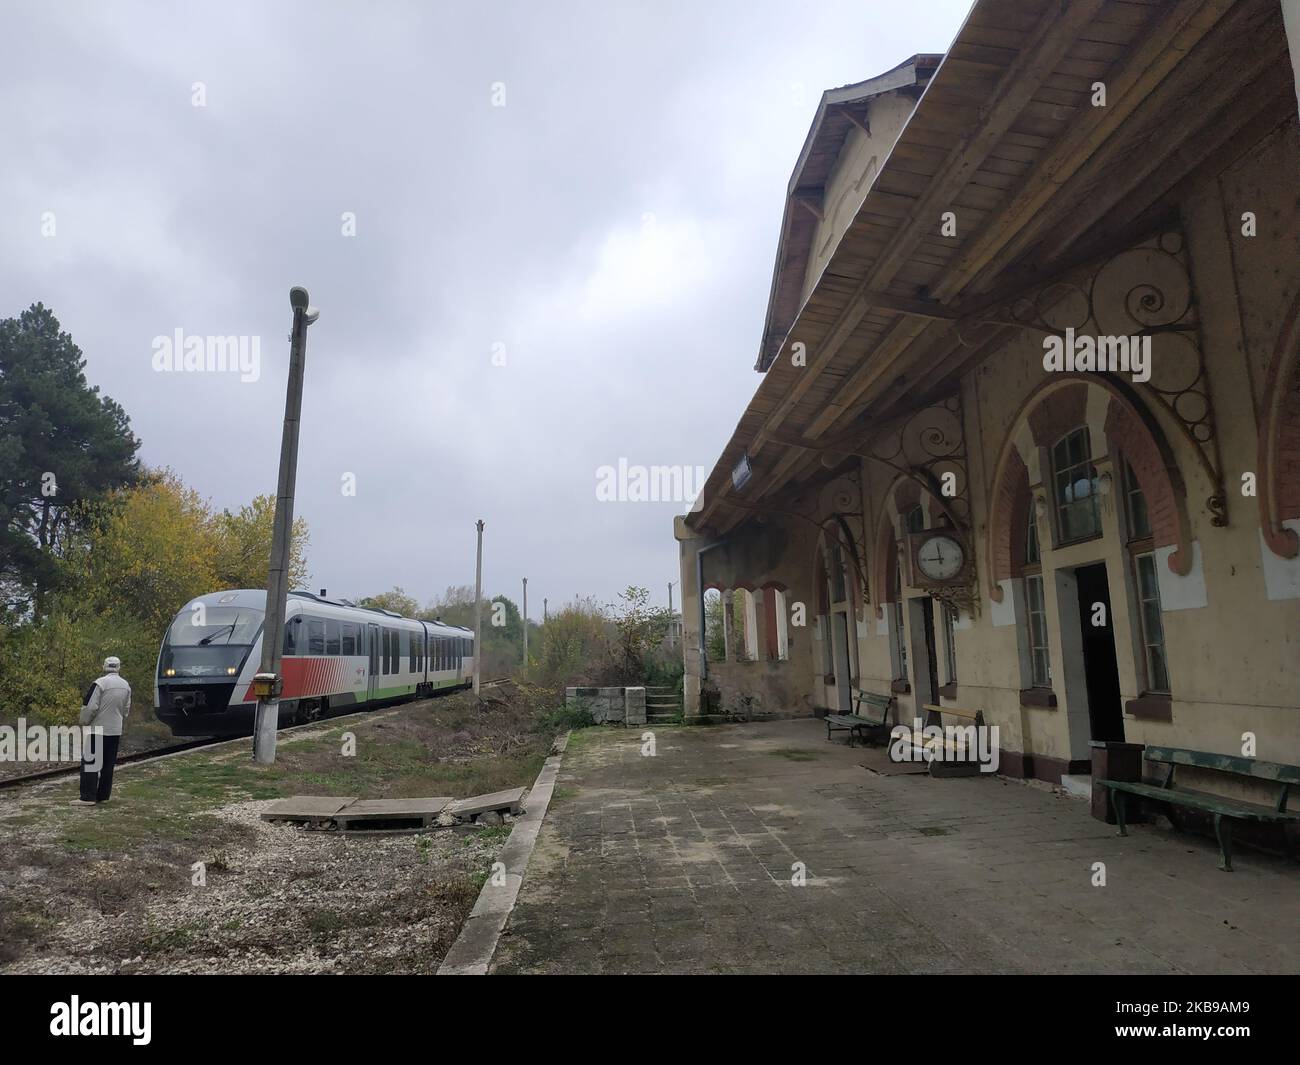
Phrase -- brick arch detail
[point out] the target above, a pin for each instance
(1010, 512)
(1061, 410)
(1278, 486)
(1054, 408)
(1128, 435)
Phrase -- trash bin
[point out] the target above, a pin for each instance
(1114, 761)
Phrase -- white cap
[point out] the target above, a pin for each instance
(112, 664)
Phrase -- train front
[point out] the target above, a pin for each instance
(205, 668)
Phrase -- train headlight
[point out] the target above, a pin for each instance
(231, 671)
(169, 672)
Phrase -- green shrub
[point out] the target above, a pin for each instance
(45, 668)
(562, 718)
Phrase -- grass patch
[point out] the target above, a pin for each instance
(795, 754)
(162, 817)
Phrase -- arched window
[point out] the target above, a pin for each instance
(1074, 479)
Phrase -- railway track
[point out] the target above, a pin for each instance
(188, 745)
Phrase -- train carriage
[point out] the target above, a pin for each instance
(336, 657)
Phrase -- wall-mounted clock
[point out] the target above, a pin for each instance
(938, 558)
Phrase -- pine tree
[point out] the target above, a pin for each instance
(62, 446)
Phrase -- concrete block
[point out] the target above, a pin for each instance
(634, 706)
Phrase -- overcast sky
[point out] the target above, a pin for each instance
(610, 231)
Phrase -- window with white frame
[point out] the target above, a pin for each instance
(1074, 481)
(1040, 662)
(900, 636)
(1150, 624)
(1153, 630)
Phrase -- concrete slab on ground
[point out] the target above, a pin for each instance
(510, 801)
(381, 809)
(351, 814)
(304, 807)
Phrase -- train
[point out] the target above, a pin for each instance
(337, 657)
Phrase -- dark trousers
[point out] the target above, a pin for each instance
(96, 786)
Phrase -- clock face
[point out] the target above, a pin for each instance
(940, 558)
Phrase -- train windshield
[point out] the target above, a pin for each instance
(226, 626)
(212, 644)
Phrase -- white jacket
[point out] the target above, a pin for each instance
(107, 704)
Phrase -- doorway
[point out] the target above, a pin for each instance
(925, 664)
(1100, 667)
(843, 679)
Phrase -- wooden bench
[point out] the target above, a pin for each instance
(1223, 810)
(965, 766)
(860, 724)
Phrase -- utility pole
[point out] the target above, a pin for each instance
(267, 684)
(545, 613)
(478, 610)
(525, 624)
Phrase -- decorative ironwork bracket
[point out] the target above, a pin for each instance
(1104, 301)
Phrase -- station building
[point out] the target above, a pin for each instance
(1027, 436)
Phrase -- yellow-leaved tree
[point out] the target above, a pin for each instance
(138, 557)
(153, 550)
(243, 546)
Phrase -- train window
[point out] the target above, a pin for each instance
(442, 652)
(291, 627)
(383, 638)
(350, 639)
(315, 636)
(390, 652)
(414, 644)
(332, 638)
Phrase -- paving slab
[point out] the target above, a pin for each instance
(362, 809)
(305, 807)
(764, 848)
(352, 814)
(511, 801)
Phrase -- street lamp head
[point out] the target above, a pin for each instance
(298, 298)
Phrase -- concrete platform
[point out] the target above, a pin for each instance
(764, 849)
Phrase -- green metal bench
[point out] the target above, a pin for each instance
(1223, 810)
(860, 724)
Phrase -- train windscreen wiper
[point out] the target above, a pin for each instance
(208, 639)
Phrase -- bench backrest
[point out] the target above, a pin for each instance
(1278, 772)
(956, 711)
(879, 703)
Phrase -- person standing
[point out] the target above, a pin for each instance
(108, 703)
